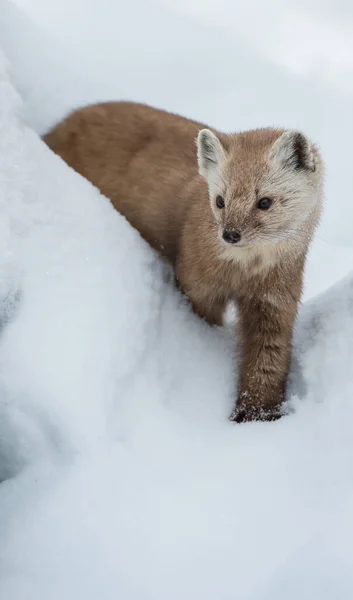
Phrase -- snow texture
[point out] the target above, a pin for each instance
(121, 475)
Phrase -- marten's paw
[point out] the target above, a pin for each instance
(246, 414)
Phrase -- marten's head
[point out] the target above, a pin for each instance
(263, 184)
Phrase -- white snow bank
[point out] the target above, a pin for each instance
(124, 478)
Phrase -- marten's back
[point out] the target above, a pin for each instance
(143, 159)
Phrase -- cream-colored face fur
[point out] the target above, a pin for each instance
(282, 166)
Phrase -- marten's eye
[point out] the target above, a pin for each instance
(264, 203)
(220, 202)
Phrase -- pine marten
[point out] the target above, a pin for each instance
(234, 213)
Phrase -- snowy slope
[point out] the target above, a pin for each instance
(123, 477)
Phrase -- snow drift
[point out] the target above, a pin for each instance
(122, 477)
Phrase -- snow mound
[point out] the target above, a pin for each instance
(122, 477)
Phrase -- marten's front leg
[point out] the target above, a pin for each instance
(266, 337)
(208, 308)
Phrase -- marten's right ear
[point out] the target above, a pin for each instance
(210, 153)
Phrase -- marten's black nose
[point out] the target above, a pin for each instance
(232, 236)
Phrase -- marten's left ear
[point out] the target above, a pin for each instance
(210, 153)
(294, 150)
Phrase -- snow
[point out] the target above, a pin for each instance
(122, 477)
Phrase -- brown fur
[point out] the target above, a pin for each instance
(145, 161)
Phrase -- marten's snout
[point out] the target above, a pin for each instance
(231, 236)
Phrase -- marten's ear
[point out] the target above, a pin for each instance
(210, 153)
(294, 150)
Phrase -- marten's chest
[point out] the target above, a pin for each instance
(253, 274)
